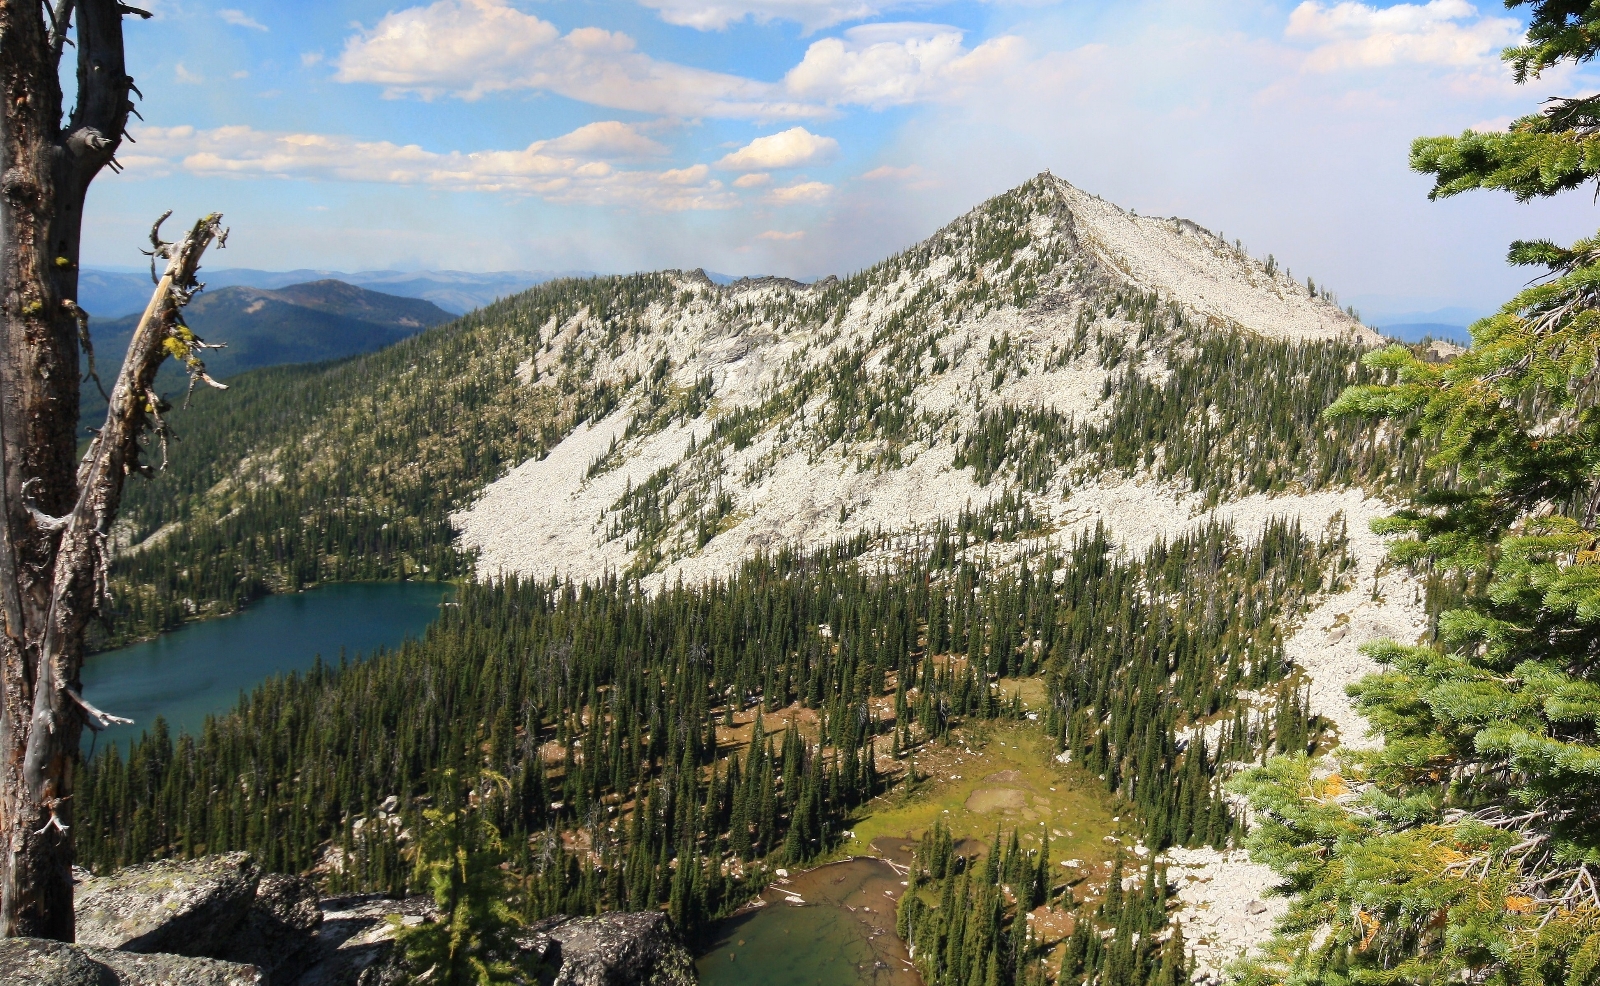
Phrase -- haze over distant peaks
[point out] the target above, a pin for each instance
(299, 323)
(113, 293)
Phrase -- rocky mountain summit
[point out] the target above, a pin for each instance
(768, 414)
(217, 921)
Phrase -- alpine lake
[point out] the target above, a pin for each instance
(204, 668)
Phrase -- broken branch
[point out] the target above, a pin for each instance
(97, 718)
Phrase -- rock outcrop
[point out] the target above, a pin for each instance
(32, 962)
(355, 946)
(279, 932)
(158, 969)
(633, 949)
(217, 921)
(192, 907)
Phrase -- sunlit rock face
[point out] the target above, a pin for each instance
(768, 414)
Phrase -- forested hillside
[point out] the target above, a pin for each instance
(301, 323)
(1012, 355)
(299, 475)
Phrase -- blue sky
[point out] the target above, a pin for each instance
(813, 136)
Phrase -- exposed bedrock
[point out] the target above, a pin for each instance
(217, 921)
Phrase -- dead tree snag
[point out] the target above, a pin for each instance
(55, 513)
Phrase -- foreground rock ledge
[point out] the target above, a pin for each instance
(217, 921)
(33, 962)
(634, 949)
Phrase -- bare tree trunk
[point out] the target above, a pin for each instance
(54, 517)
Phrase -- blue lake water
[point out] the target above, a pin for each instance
(202, 669)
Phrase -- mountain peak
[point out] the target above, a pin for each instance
(978, 367)
(1177, 259)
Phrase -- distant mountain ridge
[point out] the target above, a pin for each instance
(1414, 326)
(299, 323)
(114, 293)
(1417, 331)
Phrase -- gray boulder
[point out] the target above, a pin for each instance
(36, 962)
(355, 945)
(183, 908)
(619, 949)
(143, 969)
(279, 932)
(33, 962)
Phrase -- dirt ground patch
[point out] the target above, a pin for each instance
(989, 799)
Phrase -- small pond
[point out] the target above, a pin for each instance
(831, 926)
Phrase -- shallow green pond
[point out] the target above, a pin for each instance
(842, 934)
(203, 668)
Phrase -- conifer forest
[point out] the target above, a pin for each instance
(637, 690)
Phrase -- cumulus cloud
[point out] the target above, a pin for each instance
(239, 18)
(889, 171)
(774, 234)
(754, 180)
(608, 139)
(565, 169)
(469, 48)
(1358, 35)
(811, 15)
(881, 65)
(800, 193)
(793, 148)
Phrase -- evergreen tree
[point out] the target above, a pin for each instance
(1468, 847)
(459, 859)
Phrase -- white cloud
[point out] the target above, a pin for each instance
(608, 139)
(239, 18)
(549, 169)
(469, 48)
(773, 234)
(185, 76)
(811, 15)
(1358, 35)
(889, 171)
(310, 58)
(880, 65)
(800, 193)
(793, 148)
(754, 180)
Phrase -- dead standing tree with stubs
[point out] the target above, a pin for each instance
(56, 512)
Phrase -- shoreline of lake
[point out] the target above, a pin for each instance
(829, 925)
(198, 620)
(204, 667)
